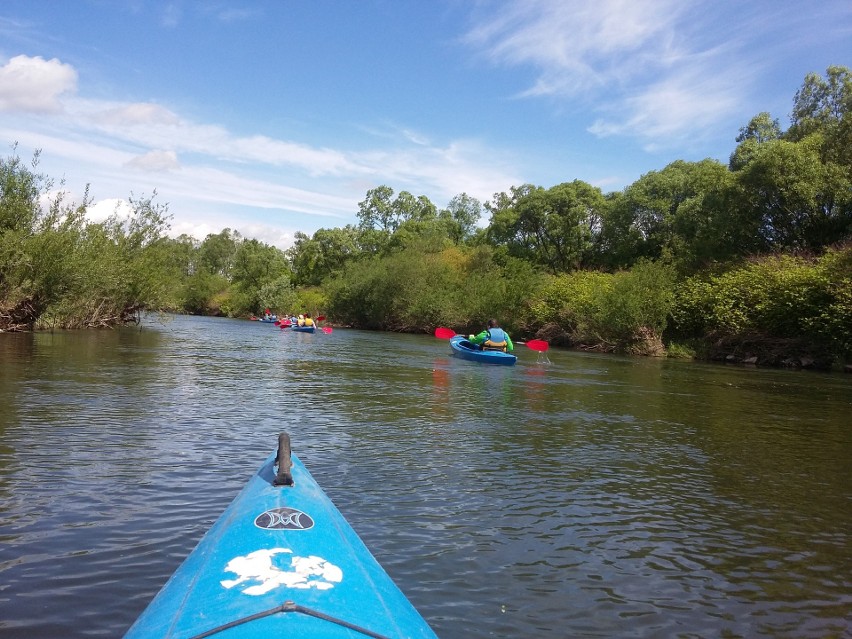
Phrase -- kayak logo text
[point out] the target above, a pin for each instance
(284, 519)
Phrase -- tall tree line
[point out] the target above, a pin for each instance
(568, 259)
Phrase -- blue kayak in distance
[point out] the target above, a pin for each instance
(281, 561)
(465, 349)
(303, 329)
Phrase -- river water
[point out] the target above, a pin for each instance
(573, 495)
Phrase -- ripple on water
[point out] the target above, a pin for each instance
(594, 496)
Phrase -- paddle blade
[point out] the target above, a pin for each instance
(326, 329)
(538, 345)
(320, 318)
(444, 333)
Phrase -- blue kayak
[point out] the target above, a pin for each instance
(303, 329)
(281, 561)
(465, 349)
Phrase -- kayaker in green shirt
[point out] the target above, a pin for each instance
(493, 338)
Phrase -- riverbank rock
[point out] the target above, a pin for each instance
(757, 350)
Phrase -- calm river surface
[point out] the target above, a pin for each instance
(584, 496)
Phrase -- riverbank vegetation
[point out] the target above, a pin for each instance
(747, 261)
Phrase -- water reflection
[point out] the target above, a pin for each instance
(591, 496)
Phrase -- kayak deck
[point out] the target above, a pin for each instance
(281, 561)
(303, 329)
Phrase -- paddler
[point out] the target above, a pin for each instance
(493, 338)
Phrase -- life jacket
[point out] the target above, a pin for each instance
(309, 321)
(496, 340)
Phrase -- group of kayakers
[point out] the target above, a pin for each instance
(493, 338)
(300, 320)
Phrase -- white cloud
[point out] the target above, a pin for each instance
(651, 69)
(202, 170)
(34, 85)
(196, 227)
(682, 104)
(99, 211)
(137, 114)
(579, 46)
(268, 234)
(232, 14)
(155, 161)
(152, 125)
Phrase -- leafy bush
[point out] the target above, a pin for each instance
(778, 297)
(624, 311)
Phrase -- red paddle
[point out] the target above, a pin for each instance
(444, 333)
(538, 345)
(326, 329)
(320, 318)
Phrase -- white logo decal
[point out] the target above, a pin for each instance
(259, 569)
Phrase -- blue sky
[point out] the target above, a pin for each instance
(276, 116)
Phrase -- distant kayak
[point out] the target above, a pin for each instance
(281, 561)
(465, 349)
(303, 329)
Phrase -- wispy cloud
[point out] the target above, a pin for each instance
(155, 161)
(650, 68)
(171, 16)
(141, 146)
(579, 46)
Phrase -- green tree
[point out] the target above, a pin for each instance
(795, 199)
(381, 215)
(218, 252)
(760, 130)
(429, 236)
(821, 103)
(376, 211)
(315, 258)
(824, 106)
(620, 241)
(200, 290)
(37, 244)
(256, 264)
(553, 227)
(461, 215)
(679, 213)
(405, 207)
(130, 271)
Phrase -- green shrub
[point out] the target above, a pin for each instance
(777, 297)
(623, 311)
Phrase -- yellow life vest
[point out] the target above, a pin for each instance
(488, 345)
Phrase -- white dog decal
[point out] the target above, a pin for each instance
(258, 568)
